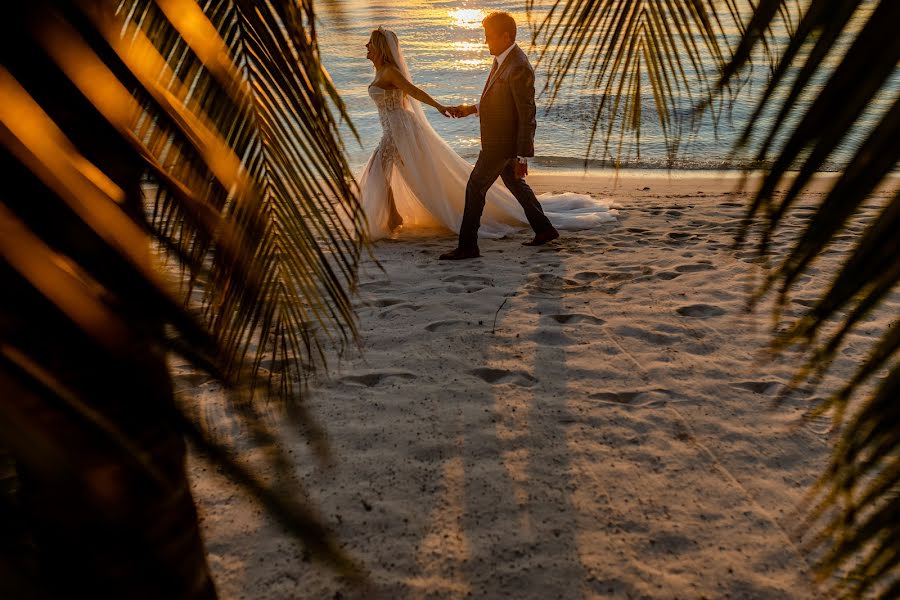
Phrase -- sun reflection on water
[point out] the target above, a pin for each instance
(468, 47)
(467, 18)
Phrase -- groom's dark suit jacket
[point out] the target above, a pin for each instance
(507, 111)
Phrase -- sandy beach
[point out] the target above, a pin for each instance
(589, 419)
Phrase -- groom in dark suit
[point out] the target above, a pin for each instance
(507, 116)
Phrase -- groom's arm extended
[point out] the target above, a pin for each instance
(522, 85)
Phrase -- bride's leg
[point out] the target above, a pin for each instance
(387, 153)
(394, 218)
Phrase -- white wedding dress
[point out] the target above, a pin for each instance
(428, 179)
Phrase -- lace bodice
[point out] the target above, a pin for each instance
(386, 100)
(395, 121)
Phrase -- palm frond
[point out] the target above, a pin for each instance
(674, 52)
(853, 46)
(857, 498)
(225, 105)
(282, 131)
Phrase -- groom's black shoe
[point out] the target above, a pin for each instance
(548, 235)
(461, 254)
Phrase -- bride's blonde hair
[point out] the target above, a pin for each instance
(380, 44)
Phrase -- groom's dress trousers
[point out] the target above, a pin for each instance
(508, 121)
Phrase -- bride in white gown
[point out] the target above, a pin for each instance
(414, 178)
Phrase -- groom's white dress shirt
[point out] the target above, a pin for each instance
(502, 56)
(499, 60)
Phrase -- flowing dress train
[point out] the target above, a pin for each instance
(427, 180)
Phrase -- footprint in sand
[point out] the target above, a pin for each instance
(618, 276)
(667, 275)
(657, 339)
(500, 376)
(444, 325)
(565, 319)
(467, 279)
(758, 387)
(395, 309)
(550, 279)
(700, 311)
(547, 282)
(694, 268)
(382, 302)
(638, 398)
(375, 284)
(806, 302)
(587, 276)
(750, 257)
(373, 379)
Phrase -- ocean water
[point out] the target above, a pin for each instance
(444, 46)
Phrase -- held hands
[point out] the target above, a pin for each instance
(458, 112)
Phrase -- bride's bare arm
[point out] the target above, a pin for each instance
(394, 76)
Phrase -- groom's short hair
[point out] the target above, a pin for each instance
(500, 22)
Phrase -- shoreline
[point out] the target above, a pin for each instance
(705, 181)
(678, 183)
(568, 165)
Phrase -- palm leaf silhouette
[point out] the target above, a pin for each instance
(857, 508)
(678, 49)
(222, 112)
